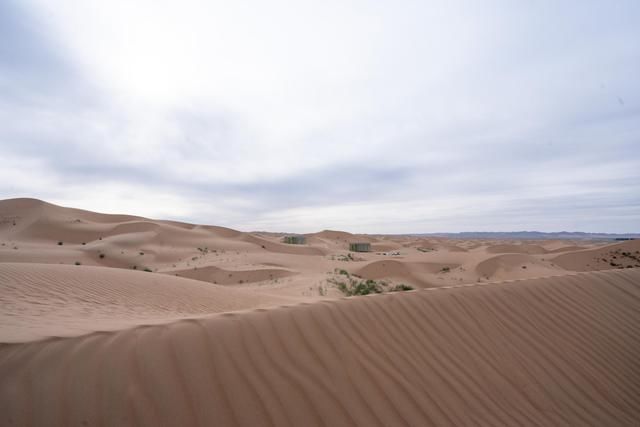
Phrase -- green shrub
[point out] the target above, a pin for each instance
(359, 287)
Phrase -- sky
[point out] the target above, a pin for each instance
(365, 116)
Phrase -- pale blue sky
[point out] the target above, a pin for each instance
(379, 117)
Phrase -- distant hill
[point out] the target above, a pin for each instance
(531, 235)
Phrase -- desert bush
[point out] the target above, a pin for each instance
(358, 287)
(347, 257)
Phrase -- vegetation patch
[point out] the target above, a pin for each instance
(359, 287)
(346, 258)
(632, 260)
(352, 286)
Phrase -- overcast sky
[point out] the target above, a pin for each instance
(367, 116)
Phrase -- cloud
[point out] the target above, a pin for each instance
(411, 117)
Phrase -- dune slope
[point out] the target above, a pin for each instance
(44, 300)
(554, 351)
(221, 276)
(618, 255)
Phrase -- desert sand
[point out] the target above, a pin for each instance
(123, 320)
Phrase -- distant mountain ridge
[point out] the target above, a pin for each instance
(531, 235)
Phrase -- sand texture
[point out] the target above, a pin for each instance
(559, 351)
(116, 320)
(40, 301)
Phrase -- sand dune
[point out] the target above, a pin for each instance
(39, 232)
(43, 300)
(341, 237)
(509, 266)
(281, 247)
(416, 273)
(531, 249)
(91, 344)
(451, 247)
(516, 249)
(555, 351)
(619, 255)
(385, 246)
(440, 245)
(228, 277)
(391, 269)
(562, 249)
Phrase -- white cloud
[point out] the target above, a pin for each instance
(299, 114)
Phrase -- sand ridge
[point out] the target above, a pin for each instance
(548, 351)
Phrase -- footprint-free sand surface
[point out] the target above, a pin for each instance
(121, 320)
